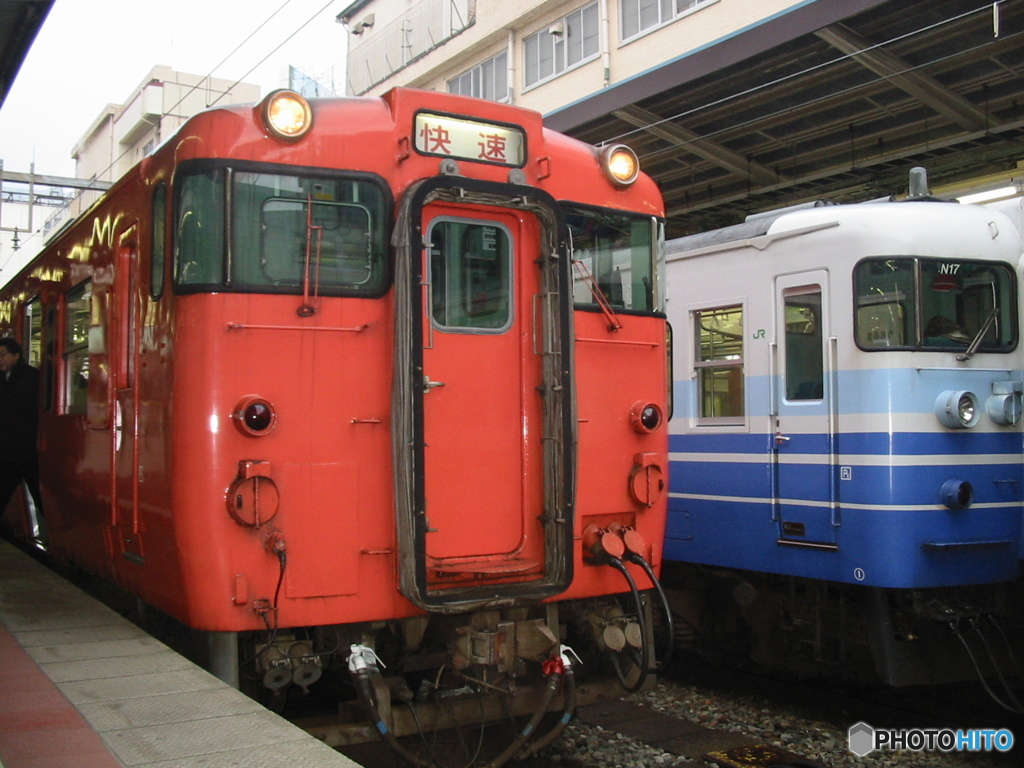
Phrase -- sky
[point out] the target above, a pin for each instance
(90, 53)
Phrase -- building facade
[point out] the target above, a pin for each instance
(123, 134)
(119, 137)
(537, 55)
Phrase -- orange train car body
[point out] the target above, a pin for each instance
(404, 357)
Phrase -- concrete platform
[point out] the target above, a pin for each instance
(81, 687)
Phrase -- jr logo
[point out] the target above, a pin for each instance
(758, 334)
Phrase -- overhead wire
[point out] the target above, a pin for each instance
(293, 34)
(762, 116)
(191, 90)
(802, 73)
(647, 126)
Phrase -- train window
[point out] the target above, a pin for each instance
(288, 233)
(618, 252)
(199, 230)
(470, 275)
(287, 230)
(33, 342)
(935, 304)
(805, 376)
(159, 242)
(49, 360)
(76, 348)
(718, 365)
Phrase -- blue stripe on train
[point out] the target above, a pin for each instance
(884, 548)
(958, 443)
(878, 485)
(883, 390)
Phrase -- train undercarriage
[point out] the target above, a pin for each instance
(424, 675)
(856, 635)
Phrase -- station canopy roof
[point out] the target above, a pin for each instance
(20, 21)
(835, 99)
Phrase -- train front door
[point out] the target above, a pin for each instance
(122, 328)
(483, 469)
(804, 441)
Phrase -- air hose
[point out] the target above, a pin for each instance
(644, 665)
(362, 663)
(954, 627)
(568, 711)
(554, 679)
(666, 658)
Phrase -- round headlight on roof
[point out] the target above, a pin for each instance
(286, 115)
(620, 164)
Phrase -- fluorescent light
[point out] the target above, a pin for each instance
(992, 194)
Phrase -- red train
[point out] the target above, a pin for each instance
(353, 381)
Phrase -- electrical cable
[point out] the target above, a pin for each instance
(995, 665)
(1006, 644)
(554, 679)
(569, 680)
(666, 659)
(209, 75)
(223, 61)
(793, 75)
(618, 565)
(430, 748)
(977, 670)
(274, 50)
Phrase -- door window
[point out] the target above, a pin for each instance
(78, 310)
(805, 373)
(470, 276)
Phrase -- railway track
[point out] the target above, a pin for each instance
(748, 719)
(698, 708)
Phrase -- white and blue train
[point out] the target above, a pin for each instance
(846, 480)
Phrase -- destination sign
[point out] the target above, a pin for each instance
(445, 136)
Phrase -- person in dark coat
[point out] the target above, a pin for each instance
(19, 428)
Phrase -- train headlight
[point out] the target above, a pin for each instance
(620, 164)
(286, 115)
(254, 416)
(958, 409)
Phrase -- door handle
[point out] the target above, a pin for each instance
(781, 438)
(429, 385)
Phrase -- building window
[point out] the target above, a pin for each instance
(718, 365)
(641, 15)
(564, 44)
(487, 80)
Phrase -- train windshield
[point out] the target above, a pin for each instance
(935, 304)
(615, 253)
(276, 233)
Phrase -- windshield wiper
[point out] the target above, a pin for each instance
(976, 341)
(314, 232)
